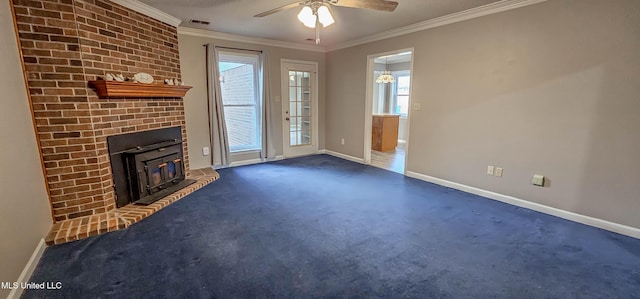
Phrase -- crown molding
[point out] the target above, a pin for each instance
(472, 13)
(248, 39)
(149, 11)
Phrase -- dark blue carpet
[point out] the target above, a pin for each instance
(321, 226)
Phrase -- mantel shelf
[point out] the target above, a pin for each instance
(117, 89)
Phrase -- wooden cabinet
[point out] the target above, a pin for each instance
(384, 135)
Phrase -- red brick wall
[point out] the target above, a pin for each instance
(66, 43)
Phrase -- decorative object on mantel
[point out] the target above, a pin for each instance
(108, 77)
(143, 78)
(119, 77)
(106, 88)
(168, 81)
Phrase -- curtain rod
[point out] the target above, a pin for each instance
(240, 49)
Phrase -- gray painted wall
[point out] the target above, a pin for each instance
(25, 214)
(193, 66)
(552, 88)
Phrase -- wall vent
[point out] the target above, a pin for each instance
(199, 22)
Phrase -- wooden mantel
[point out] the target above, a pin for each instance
(137, 90)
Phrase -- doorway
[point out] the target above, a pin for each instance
(388, 109)
(299, 107)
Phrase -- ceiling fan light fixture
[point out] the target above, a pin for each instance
(307, 17)
(325, 17)
(316, 12)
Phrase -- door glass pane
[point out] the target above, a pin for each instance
(299, 78)
(292, 107)
(300, 108)
(171, 169)
(294, 124)
(293, 92)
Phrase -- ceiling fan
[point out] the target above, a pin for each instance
(316, 12)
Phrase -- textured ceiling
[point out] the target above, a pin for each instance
(236, 17)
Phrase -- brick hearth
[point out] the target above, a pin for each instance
(64, 44)
(83, 227)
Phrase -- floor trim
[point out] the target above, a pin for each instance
(587, 220)
(253, 161)
(28, 269)
(341, 155)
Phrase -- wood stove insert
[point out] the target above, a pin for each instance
(147, 165)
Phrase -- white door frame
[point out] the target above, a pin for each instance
(368, 107)
(284, 79)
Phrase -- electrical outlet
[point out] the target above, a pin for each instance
(205, 151)
(342, 141)
(538, 180)
(490, 170)
(417, 106)
(498, 172)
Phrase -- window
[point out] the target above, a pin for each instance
(241, 100)
(402, 94)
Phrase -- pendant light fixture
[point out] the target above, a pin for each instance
(386, 76)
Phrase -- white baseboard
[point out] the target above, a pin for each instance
(402, 141)
(254, 161)
(588, 220)
(340, 155)
(28, 269)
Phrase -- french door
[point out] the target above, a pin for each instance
(299, 107)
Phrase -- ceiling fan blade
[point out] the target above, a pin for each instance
(275, 10)
(371, 4)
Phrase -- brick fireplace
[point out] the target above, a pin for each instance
(66, 43)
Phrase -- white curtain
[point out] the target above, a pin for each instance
(268, 148)
(218, 129)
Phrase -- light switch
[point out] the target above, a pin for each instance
(490, 170)
(538, 180)
(205, 151)
(498, 172)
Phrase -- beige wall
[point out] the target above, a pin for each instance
(193, 65)
(25, 215)
(552, 88)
